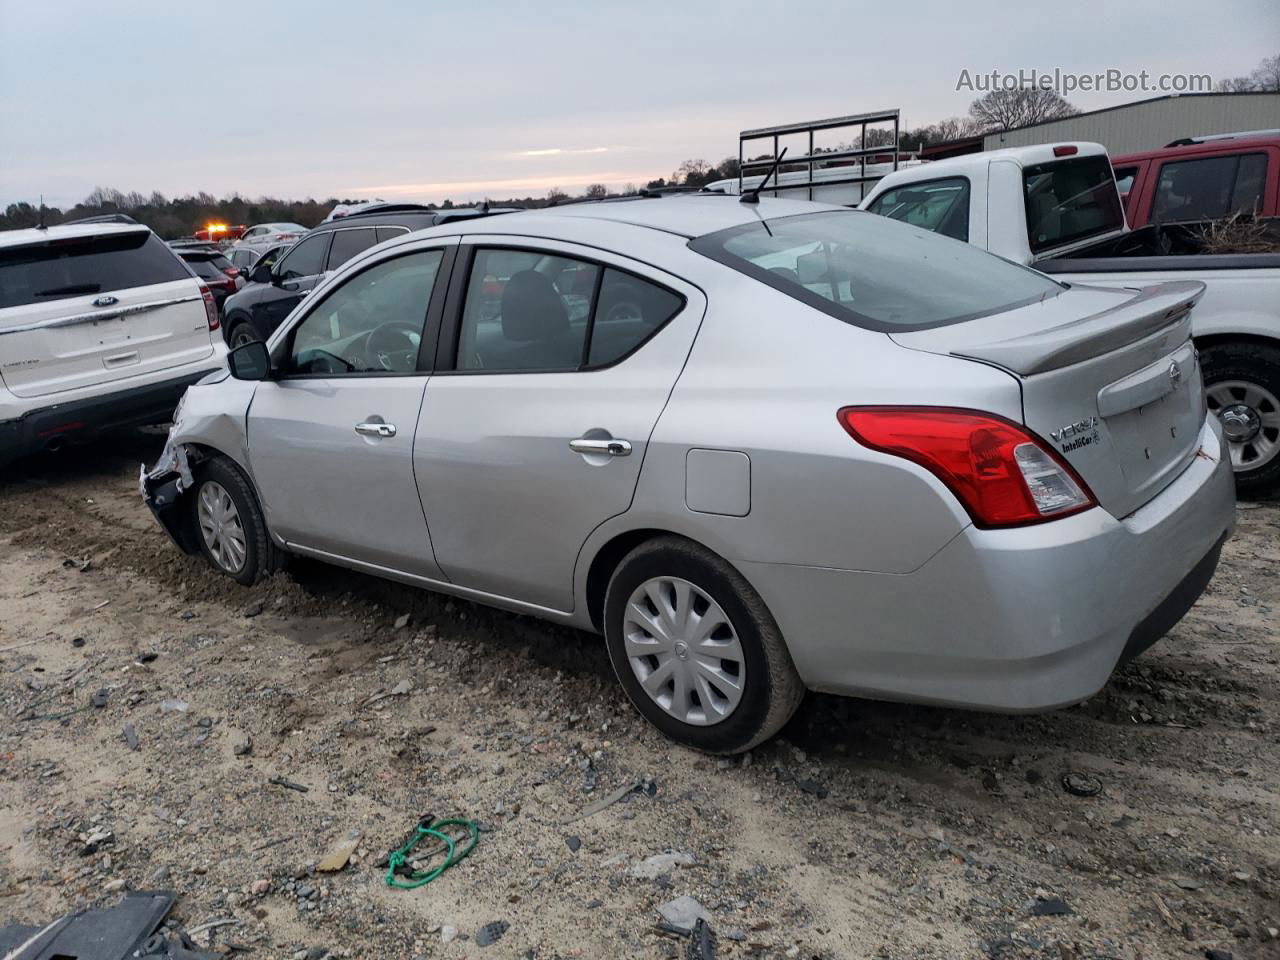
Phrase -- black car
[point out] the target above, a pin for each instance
(275, 288)
(212, 267)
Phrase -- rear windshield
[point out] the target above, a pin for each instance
(85, 265)
(205, 268)
(1069, 200)
(875, 272)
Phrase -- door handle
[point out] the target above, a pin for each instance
(376, 429)
(613, 448)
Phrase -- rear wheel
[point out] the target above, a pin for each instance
(229, 524)
(696, 650)
(1242, 387)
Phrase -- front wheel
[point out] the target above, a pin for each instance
(242, 332)
(229, 524)
(1242, 387)
(696, 650)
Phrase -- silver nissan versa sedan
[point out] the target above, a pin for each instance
(761, 448)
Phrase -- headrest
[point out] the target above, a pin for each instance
(532, 309)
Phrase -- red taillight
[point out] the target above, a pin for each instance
(1002, 474)
(210, 305)
(231, 272)
(1065, 151)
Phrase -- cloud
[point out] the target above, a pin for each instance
(516, 185)
(561, 151)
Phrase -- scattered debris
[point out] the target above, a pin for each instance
(645, 786)
(658, 864)
(1188, 883)
(173, 705)
(1081, 784)
(573, 843)
(252, 610)
(491, 933)
(99, 699)
(242, 745)
(130, 737)
(402, 688)
(18, 646)
(1051, 907)
(1165, 913)
(288, 784)
(338, 855)
(402, 621)
(683, 912)
(77, 642)
(702, 943)
(814, 788)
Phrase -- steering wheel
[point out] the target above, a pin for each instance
(393, 347)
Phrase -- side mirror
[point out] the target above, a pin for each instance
(250, 361)
(261, 273)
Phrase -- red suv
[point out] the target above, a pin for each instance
(1201, 179)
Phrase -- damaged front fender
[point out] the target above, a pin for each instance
(209, 419)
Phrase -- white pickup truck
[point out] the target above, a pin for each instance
(1055, 207)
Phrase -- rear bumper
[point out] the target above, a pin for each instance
(1012, 620)
(47, 427)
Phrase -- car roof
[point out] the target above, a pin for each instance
(1243, 143)
(33, 235)
(684, 215)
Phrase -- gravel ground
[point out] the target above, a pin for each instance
(866, 830)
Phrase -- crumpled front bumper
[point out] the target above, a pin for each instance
(162, 487)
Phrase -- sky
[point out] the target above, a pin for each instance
(426, 100)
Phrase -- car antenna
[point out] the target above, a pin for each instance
(754, 195)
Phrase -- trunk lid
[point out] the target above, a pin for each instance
(1109, 380)
(82, 311)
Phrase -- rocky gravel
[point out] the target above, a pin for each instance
(260, 751)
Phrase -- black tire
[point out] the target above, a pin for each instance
(240, 331)
(1252, 363)
(261, 557)
(772, 690)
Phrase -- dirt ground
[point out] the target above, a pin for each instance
(866, 830)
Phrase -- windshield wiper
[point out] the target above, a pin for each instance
(69, 290)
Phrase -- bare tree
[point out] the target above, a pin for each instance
(596, 191)
(694, 173)
(1267, 76)
(1236, 85)
(630, 190)
(1019, 107)
(556, 195)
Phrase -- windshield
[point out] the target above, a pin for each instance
(875, 272)
(1070, 200)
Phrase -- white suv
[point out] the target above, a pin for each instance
(101, 325)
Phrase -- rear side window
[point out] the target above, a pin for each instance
(1124, 179)
(347, 243)
(1209, 188)
(386, 233)
(874, 273)
(1069, 200)
(78, 267)
(940, 206)
(532, 311)
(205, 268)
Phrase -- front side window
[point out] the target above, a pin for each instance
(874, 273)
(371, 324)
(1209, 188)
(347, 243)
(940, 206)
(1069, 200)
(306, 259)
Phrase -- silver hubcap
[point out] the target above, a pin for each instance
(1250, 418)
(684, 651)
(220, 527)
(241, 337)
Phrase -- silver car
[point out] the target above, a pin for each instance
(761, 448)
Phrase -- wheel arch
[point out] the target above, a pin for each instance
(1224, 339)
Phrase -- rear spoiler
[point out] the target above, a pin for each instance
(1153, 308)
